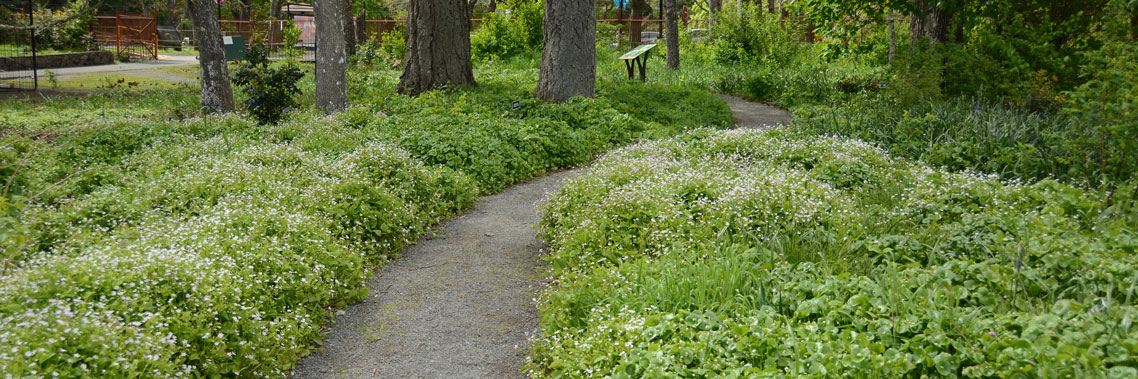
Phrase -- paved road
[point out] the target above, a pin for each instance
(165, 61)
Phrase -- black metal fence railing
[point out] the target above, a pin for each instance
(18, 54)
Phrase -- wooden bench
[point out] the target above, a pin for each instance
(637, 56)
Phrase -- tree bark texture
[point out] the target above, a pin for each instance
(361, 27)
(349, 29)
(929, 22)
(715, 5)
(639, 9)
(331, 56)
(671, 36)
(438, 47)
(275, 32)
(217, 94)
(771, 7)
(569, 54)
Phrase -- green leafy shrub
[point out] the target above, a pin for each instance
(504, 36)
(753, 36)
(1106, 109)
(269, 92)
(749, 253)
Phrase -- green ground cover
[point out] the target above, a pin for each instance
(751, 253)
(138, 244)
(965, 210)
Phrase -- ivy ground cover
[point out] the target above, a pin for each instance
(779, 253)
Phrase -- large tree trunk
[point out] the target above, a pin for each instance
(331, 57)
(929, 21)
(671, 36)
(569, 55)
(438, 47)
(349, 29)
(217, 94)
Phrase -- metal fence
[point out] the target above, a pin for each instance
(18, 54)
(130, 36)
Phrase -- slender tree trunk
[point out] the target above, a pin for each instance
(771, 8)
(275, 35)
(217, 94)
(470, 9)
(349, 29)
(672, 35)
(715, 5)
(640, 10)
(438, 47)
(569, 55)
(361, 27)
(331, 55)
(929, 21)
(892, 38)
(172, 15)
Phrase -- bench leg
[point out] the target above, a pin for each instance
(643, 70)
(629, 65)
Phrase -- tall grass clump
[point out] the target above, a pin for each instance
(752, 253)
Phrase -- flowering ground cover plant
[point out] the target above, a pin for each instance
(219, 247)
(752, 253)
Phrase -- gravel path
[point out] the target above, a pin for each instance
(460, 304)
(749, 114)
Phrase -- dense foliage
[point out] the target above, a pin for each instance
(218, 247)
(508, 35)
(749, 253)
(269, 91)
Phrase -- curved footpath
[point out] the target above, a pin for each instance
(459, 304)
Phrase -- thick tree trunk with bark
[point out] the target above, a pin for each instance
(569, 54)
(331, 56)
(438, 47)
(671, 35)
(349, 29)
(217, 94)
(929, 22)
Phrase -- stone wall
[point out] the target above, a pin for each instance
(90, 58)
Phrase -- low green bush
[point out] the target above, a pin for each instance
(269, 91)
(751, 253)
(962, 134)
